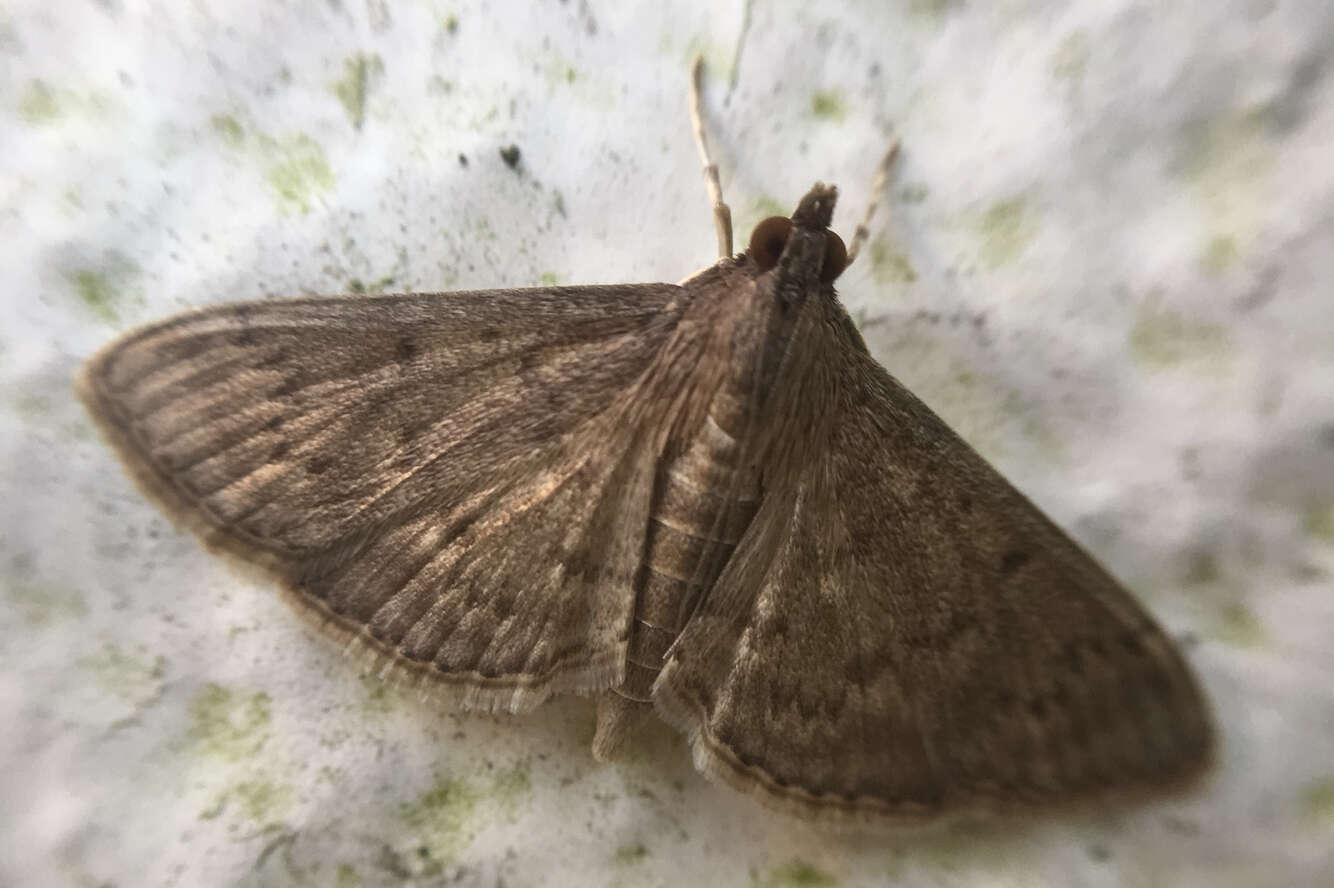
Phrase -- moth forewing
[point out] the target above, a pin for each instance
(452, 509)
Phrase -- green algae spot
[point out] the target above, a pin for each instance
(335, 738)
(101, 289)
(9, 38)
(298, 172)
(1070, 60)
(261, 801)
(992, 417)
(1225, 161)
(1004, 230)
(932, 7)
(1201, 568)
(1227, 151)
(39, 606)
(630, 854)
(361, 288)
(798, 874)
(346, 876)
(768, 205)
(228, 129)
(38, 104)
(719, 57)
(378, 699)
(228, 726)
(1239, 626)
(761, 208)
(1318, 803)
(96, 292)
(1219, 255)
(439, 816)
(889, 266)
(132, 677)
(257, 801)
(1164, 340)
(32, 407)
(914, 194)
(359, 73)
(557, 71)
(548, 279)
(511, 787)
(586, 87)
(1319, 521)
(828, 104)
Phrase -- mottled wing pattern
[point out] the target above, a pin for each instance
(902, 634)
(456, 481)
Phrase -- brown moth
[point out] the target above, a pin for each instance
(704, 499)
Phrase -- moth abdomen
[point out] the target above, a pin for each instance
(702, 504)
(702, 507)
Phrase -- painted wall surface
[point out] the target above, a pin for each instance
(1108, 262)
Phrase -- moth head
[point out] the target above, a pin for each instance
(804, 237)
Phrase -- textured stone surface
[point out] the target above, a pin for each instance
(1108, 265)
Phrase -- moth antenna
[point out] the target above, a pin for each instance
(722, 214)
(877, 191)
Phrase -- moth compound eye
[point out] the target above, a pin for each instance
(835, 257)
(767, 241)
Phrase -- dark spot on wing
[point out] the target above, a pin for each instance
(405, 349)
(1013, 560)
(318, 465)
(245, 336)
(289, 386)
(413, 429)
(1130, 643)
(278, 356)
(1074, 664)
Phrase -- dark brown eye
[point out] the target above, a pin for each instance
(835, 257)
(767, 241)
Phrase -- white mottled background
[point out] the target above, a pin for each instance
(1110, 265)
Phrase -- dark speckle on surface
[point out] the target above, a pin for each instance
(510, 154)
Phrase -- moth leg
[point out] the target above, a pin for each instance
(722, 214)
(877, 191)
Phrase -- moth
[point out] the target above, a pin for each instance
(705, 500)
